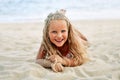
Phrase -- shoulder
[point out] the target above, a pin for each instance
(42, 52)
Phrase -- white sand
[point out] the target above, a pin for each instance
(19, 44)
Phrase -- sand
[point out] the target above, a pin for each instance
(19, 44)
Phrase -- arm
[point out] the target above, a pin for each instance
(40, 59)
(69, 62)
(41, 54)
(56, 67)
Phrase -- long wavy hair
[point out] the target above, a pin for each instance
(73, 41)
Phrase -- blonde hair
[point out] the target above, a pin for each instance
(74, 43)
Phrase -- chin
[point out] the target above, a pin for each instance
(59, 45)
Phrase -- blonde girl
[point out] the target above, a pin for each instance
(62, 45)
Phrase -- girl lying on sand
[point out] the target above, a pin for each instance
(62, 45)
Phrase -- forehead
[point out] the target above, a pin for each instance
(58, 24)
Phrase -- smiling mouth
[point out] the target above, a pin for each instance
(59, 40)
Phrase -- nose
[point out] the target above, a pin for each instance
(59, 35)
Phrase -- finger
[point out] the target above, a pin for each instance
(60, 67)
(54, 67)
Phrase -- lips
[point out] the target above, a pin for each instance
(59, 40)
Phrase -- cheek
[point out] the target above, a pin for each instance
(51, 36)
(66, 35)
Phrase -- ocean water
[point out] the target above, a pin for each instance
(37, 10)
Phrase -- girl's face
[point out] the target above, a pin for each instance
(58, 32)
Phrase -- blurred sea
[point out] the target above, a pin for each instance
(37, 10)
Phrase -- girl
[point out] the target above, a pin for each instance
(62, 45)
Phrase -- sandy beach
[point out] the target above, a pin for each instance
(20, 43)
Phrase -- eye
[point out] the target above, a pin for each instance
(54, 32)
(63, 31)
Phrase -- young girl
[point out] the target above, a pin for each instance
(62, 45)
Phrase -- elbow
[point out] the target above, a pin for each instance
(36, 61)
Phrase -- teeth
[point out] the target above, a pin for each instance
(58, 41)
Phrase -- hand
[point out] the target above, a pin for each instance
(52, 59)
(55, 58)
(57, 67)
